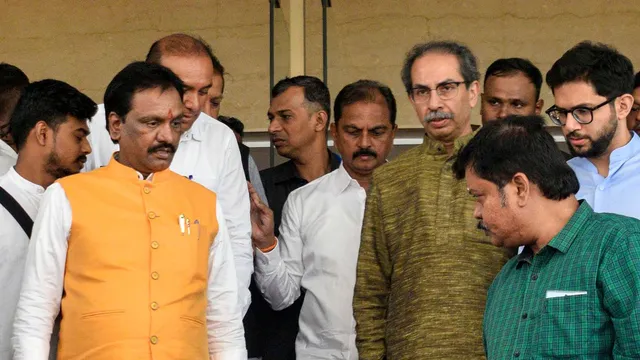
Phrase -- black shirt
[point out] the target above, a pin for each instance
(272, 334)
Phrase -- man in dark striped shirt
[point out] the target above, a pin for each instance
(574, 292)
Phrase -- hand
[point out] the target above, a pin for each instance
(261, 221)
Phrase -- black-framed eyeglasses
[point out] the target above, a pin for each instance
(446, 91)
(582, 114)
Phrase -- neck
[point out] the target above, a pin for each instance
(33, 171)
(123, 160)
(313, 163)
(603, 161)
(362, 179)
(554, 215)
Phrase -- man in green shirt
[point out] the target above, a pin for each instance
(424, 268)
(574, 292)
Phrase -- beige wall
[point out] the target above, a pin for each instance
(86, 42)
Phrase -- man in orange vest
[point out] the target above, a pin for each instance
(135, 255)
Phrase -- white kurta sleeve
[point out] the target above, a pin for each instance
(233, 196)
(279, 271)
(39, 301)
(224, 314)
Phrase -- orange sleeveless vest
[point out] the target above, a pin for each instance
(135, 284)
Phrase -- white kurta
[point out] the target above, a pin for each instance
(208, 154)
(13, 251)
(8, 157)
(39, 302)
(318, 251)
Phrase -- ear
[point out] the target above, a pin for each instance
(539, 106)
(522, 187)
(625, 102)
(115, 126)
(42, 132)
(474, 91)
(320, 118)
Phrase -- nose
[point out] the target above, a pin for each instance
(571, 124)
(503, 112)
(364, 141)
(434, 102)
(477, 211)
(85, 146)
(191, 100)
(274, 127)
(166, 133)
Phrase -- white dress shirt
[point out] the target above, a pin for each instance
(318, 251)
(208, 154)
(8, 157)
(14, 243)
(41, 293)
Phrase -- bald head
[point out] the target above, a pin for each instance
(182, 45)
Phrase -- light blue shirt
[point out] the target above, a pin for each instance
(619, 192)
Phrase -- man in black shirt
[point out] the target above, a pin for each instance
(299, 117)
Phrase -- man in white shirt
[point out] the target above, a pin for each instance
(49, 128)
(208, 153)
(12, 81)
(317, 249)
(139, 260)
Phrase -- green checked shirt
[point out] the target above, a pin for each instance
(578, 298)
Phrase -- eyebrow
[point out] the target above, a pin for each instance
(421, 86)
(84, 131)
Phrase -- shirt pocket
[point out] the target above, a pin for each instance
(566, 326)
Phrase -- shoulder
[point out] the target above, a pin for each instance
(268, 174)
(317, 187)
(619, 226)
(81, 177)
(213, 130)
(189, 186)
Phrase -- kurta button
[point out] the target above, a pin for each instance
(146, 190)
(516, 354)
(154, 306)
(534, 277)
(153, 339)
(155, 275)
(152, 215)
(524, 316)
(155, 245)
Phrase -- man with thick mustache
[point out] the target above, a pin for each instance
(317, 249)
(424, 268)
(592, 85)
(136, 254)
(49, 127)
(298, 121)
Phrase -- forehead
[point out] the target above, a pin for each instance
(72, 123)
(636, 95)
(292, 98)
(575, 93)
(476, 183)
(195, 71)
(365, 114)
(156, 102)
(433, 68)
(512, 86)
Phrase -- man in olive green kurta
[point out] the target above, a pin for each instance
(424, 268)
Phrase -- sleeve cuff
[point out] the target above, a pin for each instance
(268, 262)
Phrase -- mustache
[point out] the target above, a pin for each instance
(437, 115)
(365, 152)
(482, 226)
(162, 146)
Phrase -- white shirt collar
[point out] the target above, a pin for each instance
(196, 130)
(8, 150)
(23, 183)
(343, 180)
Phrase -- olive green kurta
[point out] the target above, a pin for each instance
(424, 268)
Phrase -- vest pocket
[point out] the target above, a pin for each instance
(192, 320)
(93, 314)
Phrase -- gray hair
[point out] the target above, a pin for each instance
(466, 59)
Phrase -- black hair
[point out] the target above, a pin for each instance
(233, 124)
(512, 66)
(518, 144)
(50, 101)
(466, 60)
(315, 91)
(636, 80)
(600, 65)
(364, 90)
(135, 77)
(12, 82)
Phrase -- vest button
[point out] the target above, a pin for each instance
(154, 306)
(155, 275)
(146, 190)
(152, 215)
(153, 339)
(155, 245)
